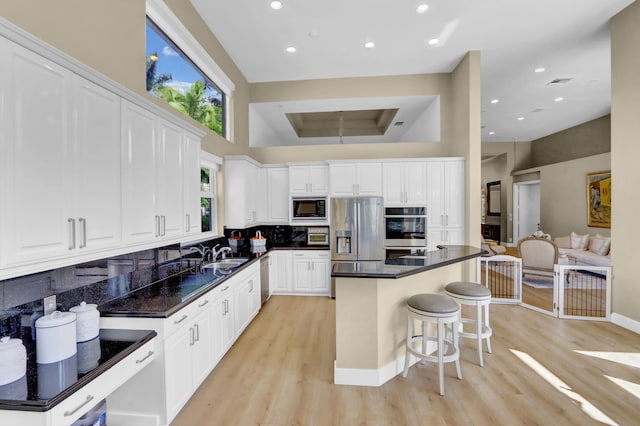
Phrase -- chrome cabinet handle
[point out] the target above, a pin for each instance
(72, 234)
(143, 359)
(157, 226)
(184, 317)
(188, 222)
(164, 225)
(203, 303)
(197, 332)
(250, 286)
(225, 289)
(75, 410)
(83, 222)
(191, 337)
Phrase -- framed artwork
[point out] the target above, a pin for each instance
(599, 199)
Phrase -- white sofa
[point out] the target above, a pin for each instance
(586, 249)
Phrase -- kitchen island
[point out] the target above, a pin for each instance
(371, 316)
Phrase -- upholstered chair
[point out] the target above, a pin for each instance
(492, 247)
(538, 255)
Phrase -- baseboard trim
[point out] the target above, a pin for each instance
(624, 322)
(370, 377)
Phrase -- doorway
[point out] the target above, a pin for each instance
(526, 209)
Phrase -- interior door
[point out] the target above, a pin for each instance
(526, 209)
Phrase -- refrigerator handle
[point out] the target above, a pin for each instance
(357, 221)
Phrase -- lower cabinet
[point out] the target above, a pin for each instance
(190, 344)
(311, 272)
(280, 279)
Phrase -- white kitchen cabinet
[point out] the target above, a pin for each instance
(280, 272)
(245, 192)
(277, 195)
(247, 298)
(59, 161)
(152, 177)
(169, 178)
(310, 179)
(355, 179)
(445, 202)
(311, 272)
(404, 183)
(188, 353)
(191, 182)
(223, 321)
(139, 165)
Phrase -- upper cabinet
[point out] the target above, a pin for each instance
(445, 204)
(404, 183)
(312, 179)
(60, 167)
(191, 184)
(355, 178)
(277, 195)
(84, 171)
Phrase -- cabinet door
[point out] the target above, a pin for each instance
(36, 155)
(298, 179)
(454, 193)
(202, 351)
(369, 179)
(435, 194)
(320, 276)
(260, 186)
(191, 184)
(139, 162)
(278, 198)
(242, 300)
(392, 183)
(235, 194)
(97, 166)
(342, 178)
(280, 272)
(415, 183)
(169, 175)
(319, 179)
(177, 369)
(218, 339)
(301, 273)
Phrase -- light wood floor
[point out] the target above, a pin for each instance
(280, 372)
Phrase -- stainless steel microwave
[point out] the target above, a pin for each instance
(305, 208)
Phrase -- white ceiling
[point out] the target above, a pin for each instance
(569, 38)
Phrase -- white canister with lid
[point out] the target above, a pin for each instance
(55, 337)
(87, 321)
(13, 360)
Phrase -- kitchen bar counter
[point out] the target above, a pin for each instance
(371, 312)
(407, 265)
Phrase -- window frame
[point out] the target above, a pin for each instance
(166, 21)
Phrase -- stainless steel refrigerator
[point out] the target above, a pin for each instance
(357, 230)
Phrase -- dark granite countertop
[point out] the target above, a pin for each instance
(165, 297)
(46, 385)
(407, 265)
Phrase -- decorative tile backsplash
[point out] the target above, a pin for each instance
(93, 282)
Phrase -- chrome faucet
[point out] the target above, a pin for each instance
(223, 251)
(204, 252)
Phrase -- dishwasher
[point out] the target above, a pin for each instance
(264, 278)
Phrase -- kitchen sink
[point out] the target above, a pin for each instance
(225, 266)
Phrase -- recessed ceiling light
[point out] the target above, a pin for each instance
(422, 8)
(492, 133)
(495, 101)
(276, 5)
(539, 69)
(559, 99)
(291, 49)
(520, 118)
(369, 45)
(433, 42)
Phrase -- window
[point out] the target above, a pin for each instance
(208, 201)
(173, 77)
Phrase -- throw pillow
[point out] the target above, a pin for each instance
(563, 242)
(579, 242)
(601, 245)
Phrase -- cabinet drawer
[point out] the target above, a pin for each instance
(86, 398)
(178, 320)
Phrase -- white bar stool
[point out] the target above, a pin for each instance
(469, 293)
(439, 310)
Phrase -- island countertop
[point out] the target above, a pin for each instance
(406, 265)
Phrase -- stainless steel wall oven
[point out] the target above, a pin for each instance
(405, 226)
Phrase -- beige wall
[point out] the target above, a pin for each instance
(584, 140)
(109, 36)
(625, 152)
